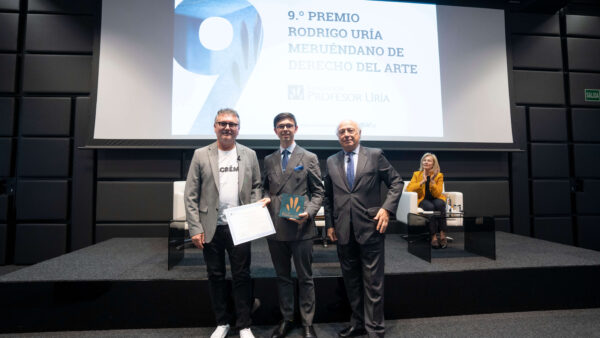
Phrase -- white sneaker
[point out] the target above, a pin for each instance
(220, 332)
(246, 333)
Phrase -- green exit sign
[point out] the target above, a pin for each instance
(592, 95)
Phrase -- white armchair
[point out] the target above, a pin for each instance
(177, 226)
(178, 203)
(408, 204)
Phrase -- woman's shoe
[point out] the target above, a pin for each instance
(443, 243)
(434, 243)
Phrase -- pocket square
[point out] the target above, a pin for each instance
(298, 168)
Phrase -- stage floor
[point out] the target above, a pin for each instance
(143, 259)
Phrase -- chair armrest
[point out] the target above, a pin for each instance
(406, 205)
(178, 207)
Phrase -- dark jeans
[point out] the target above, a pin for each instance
(239, 259)
(436, 224)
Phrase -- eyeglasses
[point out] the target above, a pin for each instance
(231, 125)
(283, 126)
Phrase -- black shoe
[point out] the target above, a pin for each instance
(352, 331)
(309, 332)
(285, 326)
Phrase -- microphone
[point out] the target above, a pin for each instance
(428, 178)
(239, 158)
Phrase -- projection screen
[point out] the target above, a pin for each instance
(408, 73)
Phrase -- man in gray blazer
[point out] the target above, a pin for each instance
(293, 170)
(223, 174)
(357, 218)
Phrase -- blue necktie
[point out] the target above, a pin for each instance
(350, 169)
(285, 158)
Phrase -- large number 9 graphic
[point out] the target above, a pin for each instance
(222, 37)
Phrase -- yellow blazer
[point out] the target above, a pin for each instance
(436, 186)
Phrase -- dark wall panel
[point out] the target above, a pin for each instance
(502, 224)
(9, 28)
(588, 199)
(547, 124)
(519, 166)
(82, 197)
(549, 160)
(42, 200)
(453, 164)
(583, 25)
(57, 73)
(551, 197)
(537, 87)
(11, 5)
(108, 231)
(5, 156)
(37, 242)
(585, 124)
(8, 64)
(139, 163)
(483, 198)
(588, 232)
(3, 242)
(584, 54)
(578, 83)
(3, 208)
(7, 109)
(44, 157)
(63, 6)
(555, 229)
(536, 52)
(59, 33)
(134, 201)
(587, 160)
(45, 116)
(534, 24)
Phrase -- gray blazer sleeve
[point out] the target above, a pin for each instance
(257, 189)
(392, 180)
(192, 196)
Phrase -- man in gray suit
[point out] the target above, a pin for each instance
(357, 218)
(223, 174)
(293, 170)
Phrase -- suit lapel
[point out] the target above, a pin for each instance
(275, 162)
(213, 158)
(342, 171)
(360, 166)
(241, 166)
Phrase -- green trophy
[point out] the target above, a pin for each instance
(291, 206)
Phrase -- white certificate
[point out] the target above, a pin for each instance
(249, 222)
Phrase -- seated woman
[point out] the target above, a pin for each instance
(428, 183)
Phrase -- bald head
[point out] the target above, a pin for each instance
(348, 133)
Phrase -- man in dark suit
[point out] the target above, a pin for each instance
(223, 174)
(357, 218)
(293, 170)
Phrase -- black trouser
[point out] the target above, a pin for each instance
(436, 224)
(363, 270)
(282, 254)
(239, 259)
